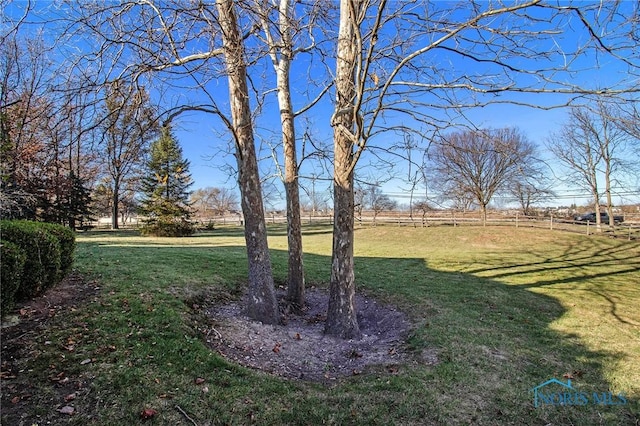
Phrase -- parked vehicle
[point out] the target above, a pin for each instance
(604, 218)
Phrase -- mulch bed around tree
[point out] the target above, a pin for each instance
(299, 349)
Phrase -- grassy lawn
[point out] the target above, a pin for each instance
(502, 309)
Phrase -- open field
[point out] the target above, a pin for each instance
(502, 309)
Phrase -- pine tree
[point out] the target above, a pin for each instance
(165, 189)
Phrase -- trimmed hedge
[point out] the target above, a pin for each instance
(48, 256)
(168, 228)
(13, 260)
(67, 240)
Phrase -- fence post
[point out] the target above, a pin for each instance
(588, 223)
(551, 222)
(629, 233)
(516, 219)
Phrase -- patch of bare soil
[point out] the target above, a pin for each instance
(299, 348)
(24, 391)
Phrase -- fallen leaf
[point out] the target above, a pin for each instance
(276, 348)
(15, 399)
(67, 409)
(205, 389)
(567, 376)
(70, 397)
(148, 413)
(85, 361)
(297, 337)
(199, 380)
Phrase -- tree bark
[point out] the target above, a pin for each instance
(295, 274)
(262, 305)
(341, 315)
(115, 201)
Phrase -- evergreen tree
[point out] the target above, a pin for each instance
(165, 188)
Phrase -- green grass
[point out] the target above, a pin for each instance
(503, 309)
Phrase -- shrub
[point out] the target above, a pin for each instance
(67, 240)
(12, 266)
(42, 250)
(168, 228)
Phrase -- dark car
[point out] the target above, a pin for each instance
(604, 218)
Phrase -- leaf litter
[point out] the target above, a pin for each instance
(298, 348)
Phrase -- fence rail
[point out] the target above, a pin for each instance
(629, 228)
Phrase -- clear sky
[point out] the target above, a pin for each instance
(207, 145)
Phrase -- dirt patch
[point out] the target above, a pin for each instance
(22, 387)
(299, 348)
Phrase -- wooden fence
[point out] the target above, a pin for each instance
(629, 228)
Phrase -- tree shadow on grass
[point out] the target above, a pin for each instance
(503, 339)
(587, 253)
(493, 342)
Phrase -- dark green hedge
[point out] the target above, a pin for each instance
(48, 251)
(13, 259)
(67, 240)
(168, 227)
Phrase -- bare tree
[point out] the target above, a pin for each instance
(591, 146)
(424, 207)
(531, 184)
(211, 200)
(26, 107)
(280, 26)
(377, 201)
(129, 125)
(185, 45)
(529, 190)
(396, 61)
(263, 305)
(341, 315)
(480, 163)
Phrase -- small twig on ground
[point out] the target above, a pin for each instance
(186, 415)
(218, 334)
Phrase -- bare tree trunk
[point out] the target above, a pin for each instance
(483, 214)
(295, 275)
(262, 305)
(341, 315)
(607, 182)
(596, 202)
(115, 199)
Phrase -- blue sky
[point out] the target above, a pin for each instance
(206, 143)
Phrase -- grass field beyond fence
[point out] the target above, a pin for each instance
(502, 309)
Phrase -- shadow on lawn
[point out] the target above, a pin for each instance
(581, 265)
(588, 253)
(494, 341)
